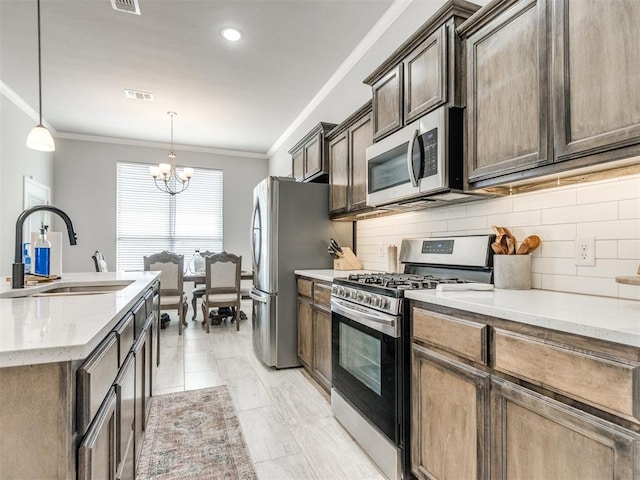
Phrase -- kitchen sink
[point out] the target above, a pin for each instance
(89, 288)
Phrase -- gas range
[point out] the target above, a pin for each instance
(428, 262)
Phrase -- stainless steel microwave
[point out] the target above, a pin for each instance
(424, 161)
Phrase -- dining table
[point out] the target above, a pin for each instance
(198, 278)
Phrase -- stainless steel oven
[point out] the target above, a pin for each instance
(371, 340)
(368, 367)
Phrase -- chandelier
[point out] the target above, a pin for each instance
(165, 175)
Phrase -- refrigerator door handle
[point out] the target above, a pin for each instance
(257, 297)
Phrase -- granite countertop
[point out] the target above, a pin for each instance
(612, 319)
(64, 328)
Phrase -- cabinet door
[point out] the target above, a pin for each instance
(313, 157)
(322, 347)
(449, 410)
(360, 137)
(536, 437)
(125, 413)
(97, 452)
(297, 165)
(596, 75)
(140, 355)
(339, 173)
(148, 373)
(305, 332)
(507, 92)
(387, 103)
(425, 76)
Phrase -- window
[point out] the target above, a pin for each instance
(150, 221)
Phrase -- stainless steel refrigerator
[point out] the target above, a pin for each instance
(290, 230)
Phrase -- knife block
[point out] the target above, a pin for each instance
(347, 260)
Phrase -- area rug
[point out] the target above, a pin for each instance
(194, 435)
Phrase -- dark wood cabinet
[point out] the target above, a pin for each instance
(348, 143)
(314, 329)
(422, 74)
(140, 356)
(309, 157)
(449, 411)
(545, 94)
(536, 437)
(125, 412)
(97, 452)
(596, 92)
(492, 399)
(508, 92)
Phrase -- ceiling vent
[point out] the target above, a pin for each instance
(129, 6)
(139, 95)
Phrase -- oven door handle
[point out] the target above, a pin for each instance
(380, 322)
(410, 150)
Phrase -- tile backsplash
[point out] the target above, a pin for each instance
(607, 210)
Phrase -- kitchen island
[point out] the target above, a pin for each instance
(77, 358)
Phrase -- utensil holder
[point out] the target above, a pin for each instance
(347, 261)
(512, 272)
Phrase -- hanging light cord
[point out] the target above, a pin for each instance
(39, 68)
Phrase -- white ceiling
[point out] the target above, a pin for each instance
(235, 96)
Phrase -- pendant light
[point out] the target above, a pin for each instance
(173, 181)
(39, 137)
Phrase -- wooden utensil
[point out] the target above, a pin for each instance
(529, 244)
(511, 245)
(497, 248)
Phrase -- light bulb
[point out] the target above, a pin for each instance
(39, 138)
(165, 168)
(188, 172)
(231, 34)
(154, 171)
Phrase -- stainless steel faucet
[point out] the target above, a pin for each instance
(17, 274)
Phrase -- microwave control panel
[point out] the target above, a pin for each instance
(430, 153)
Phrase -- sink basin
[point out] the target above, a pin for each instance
(89, 288)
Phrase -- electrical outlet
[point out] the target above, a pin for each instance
(585, 252)
(380, 250)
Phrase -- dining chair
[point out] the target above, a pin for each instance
(222, 285)
(171, 266)
(100, 262)
(198, 290)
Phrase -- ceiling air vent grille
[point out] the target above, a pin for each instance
(139, 95)
(129, 6)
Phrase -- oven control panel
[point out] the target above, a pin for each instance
(368, 299)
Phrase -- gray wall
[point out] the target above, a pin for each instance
(85, 187)
(16, 161)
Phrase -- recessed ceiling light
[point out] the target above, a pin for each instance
(231, 34)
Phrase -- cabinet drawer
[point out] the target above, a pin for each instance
(124, 332)
(322, 294)
(305, 287)
(95, 377)
(466, 339)
(139, 317)
(604, 382)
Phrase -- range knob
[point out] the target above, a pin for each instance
(347, 293)
(384, 302)
(375, 301)
(366, 298)
(359, 296)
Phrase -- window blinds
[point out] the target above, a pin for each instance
(150, 221)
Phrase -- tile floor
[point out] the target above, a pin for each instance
(286, 419)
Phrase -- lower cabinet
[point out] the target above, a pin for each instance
(97, 453)
(314, 329)
(140, 355)
(536, 437)
(471, 421)
(125, 393)
(449, 417)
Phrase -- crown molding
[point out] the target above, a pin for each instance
(381, 26)
(17, 100)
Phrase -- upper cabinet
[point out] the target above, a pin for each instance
(348, 167)
(551, 86)
(508, 91)
(424, 73)
(309, 157)
(596, 72)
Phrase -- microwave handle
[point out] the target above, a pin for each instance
(412, 174)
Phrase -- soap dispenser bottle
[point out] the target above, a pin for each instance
(26, 258)
(42, 249)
